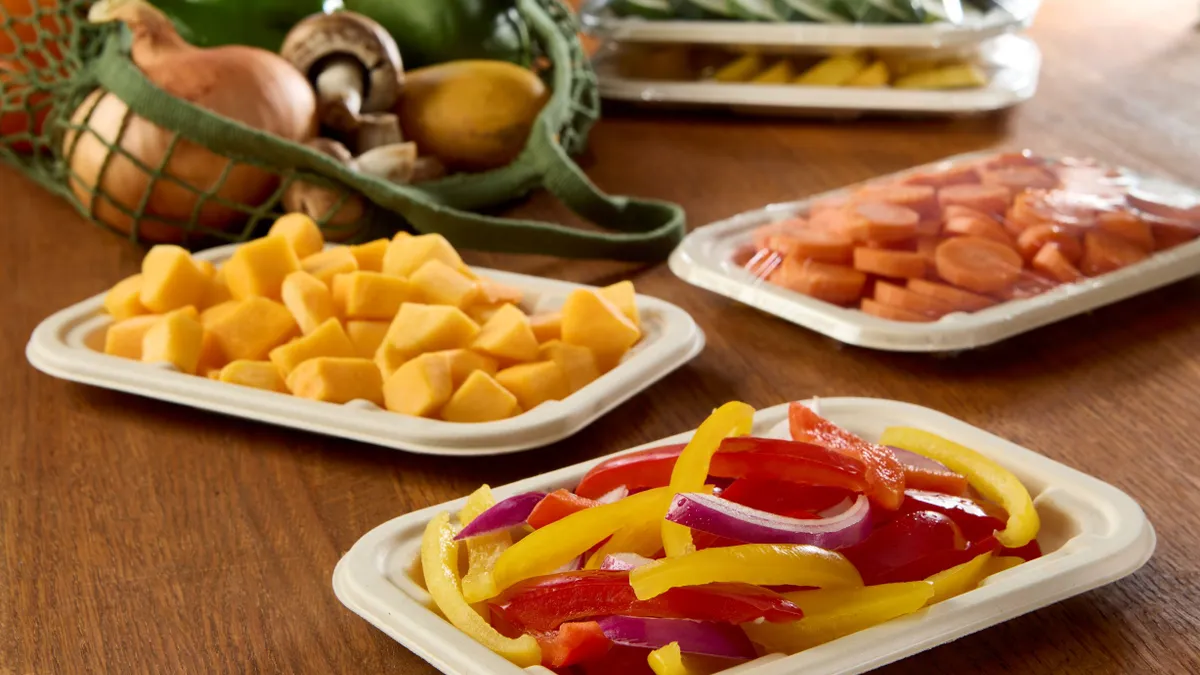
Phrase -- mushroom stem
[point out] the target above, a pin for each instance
(334, 207)
(377, 130)
(339, 88)
(395, 163)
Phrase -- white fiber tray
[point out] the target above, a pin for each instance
(59, 347)
(1012, 64)
(705, 259)
(599, 21)
(1092, 534)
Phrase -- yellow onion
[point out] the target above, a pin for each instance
(250, 85)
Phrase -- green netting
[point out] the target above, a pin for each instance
(53, 64)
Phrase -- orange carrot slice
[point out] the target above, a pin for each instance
(1017, 178)
(828, 204)
(960, 175)
(897, 296)
(929, 228)
(927, 247)
(1050, 261)
(986, 198)
(919, 198)
(1035, 239)
(883, 311)
(1007, 159)
(1127, 226)
(972, 226)
(821, 245)
(960, 300)
(832, 283)
(763, 234)
(827, 219)
(1028, 209)
(1170, 234)
(960, 211)
(881, 222)
(1104, 252)
(886, 263)
(978, 264)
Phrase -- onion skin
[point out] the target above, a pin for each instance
(245, 84)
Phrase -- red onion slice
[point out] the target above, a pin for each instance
(728, 519)
(694, 637)
(502, 515)
(623, 561)
(614, 495)
(909, 458)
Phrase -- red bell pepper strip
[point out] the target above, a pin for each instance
(573, 643)
(783, 497)
(884, 473)
(544, 603)
(620, 660)
(804, 463)
(978, 520)
(556, 506)
(637, 470)
(1030, 551)
(902, 548)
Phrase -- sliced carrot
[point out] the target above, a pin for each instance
(883, 311)
(1104, 252)
(1007, 159)
(1017, 178)
(1050, 261)
(1027, 286)
(919, 198)
(832, 283)
(961, 300)
(885, 263)
(881, 222)
(927, 247)
(986, 198)
(897, 296)
(827, 219)
(929, 228)
(972, 226)
(960, 211)
(763, 234)
(1035, 239)
(815, 244)
(1169, 234)
(978, 264)
(959, 175)
(1127, 226)
(828, 204)
(1028, 209)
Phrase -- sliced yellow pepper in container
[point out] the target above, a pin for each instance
(959, 579)
(691, 469)
(482, 551)
(761, 564)
(989, 478)
(556, 544)
(833, 613)
(439, 560)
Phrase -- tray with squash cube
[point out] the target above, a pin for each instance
(394, 342)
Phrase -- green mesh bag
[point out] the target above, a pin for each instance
(51, 59)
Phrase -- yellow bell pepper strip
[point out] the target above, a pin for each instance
(642, 536)
(691, 469)
(482, 551)
(761, 564)
(833, 613)
(989, 478)
(551, 547)
(439, 560)
(959, 579)
(669, 660)
(1000, 564)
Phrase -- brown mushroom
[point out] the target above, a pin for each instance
(377, 130)
(318, 201)
(396, 163)
(352, 62)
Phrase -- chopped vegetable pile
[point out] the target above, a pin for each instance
(693, 558)
(963, 239)
(819, 11)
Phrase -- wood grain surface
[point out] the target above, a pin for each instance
(144, 537)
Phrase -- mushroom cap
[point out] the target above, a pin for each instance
(345, 33)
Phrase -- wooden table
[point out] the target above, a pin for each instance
(145, 537)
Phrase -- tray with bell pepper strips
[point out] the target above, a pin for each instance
(844, 534)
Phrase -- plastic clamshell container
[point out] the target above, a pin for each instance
(1092, 534)
(59, 347)
(599, 20)
(1012, 64)
(706, 259)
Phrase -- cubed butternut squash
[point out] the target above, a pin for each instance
(388, 361)
(308, 300)
(327, 264)
(366, 336)
(406, 254)
(436, 283)
(209, 269)
(211, 355)
(534, 383)
(418, 328)
(301, 232)
(463, 362)
(329, 339)
(593, 322)
(547, 326)
(171, 279)
(256, 374)
(507, 335)
(208, 316)
(624, 297)
(337, 380)
(124, 338)
(420, 387)
(480, 399)
(370, 295)
(258, 268)
(176, 338)
(124, 299)
(578, 363)
(218, 290)
(251, 328)
(370, 255)
(481, 313)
